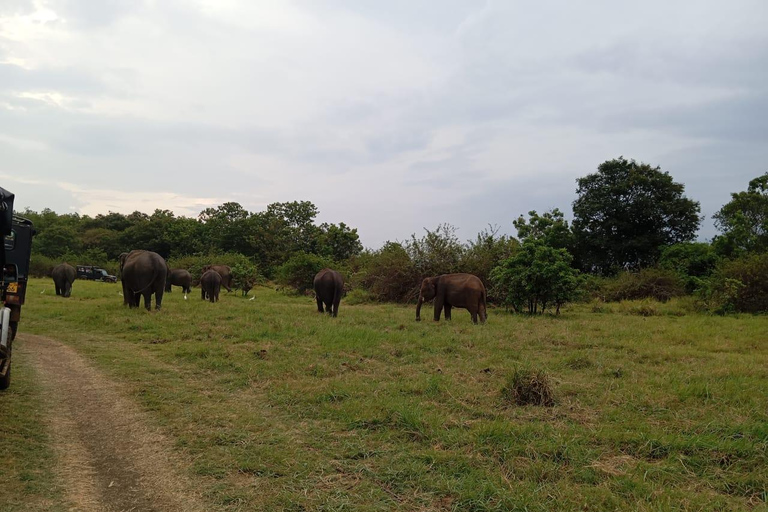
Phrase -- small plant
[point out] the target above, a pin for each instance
(526, 386)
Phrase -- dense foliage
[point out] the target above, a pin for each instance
(630, 237)
(537, 277)
(744, 220)
(626, 213)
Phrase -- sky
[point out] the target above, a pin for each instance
(389, 116)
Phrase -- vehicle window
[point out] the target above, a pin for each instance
(10, 241)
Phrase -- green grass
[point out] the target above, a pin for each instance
(279, 408)
(27, 480)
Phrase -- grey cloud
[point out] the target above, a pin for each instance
(64, 80)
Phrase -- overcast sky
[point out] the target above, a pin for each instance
(389, 115)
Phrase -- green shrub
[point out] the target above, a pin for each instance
(387, 274)
(300, 270)
(537, 277)
(359, 296)
(739, 285)
(41, 266)
(651, 283)
(693, 262)
(245, 276)
(195, 263)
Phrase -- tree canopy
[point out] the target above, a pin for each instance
(744, 220)
(626, 213)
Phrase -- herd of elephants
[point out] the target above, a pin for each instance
(146, 273)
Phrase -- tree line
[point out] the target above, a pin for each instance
(632, 235)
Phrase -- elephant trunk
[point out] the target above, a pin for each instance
(418, 308)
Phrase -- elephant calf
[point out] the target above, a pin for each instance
(225, 272)
(63, 276)
(179, 277)
(329, 285)
(449, 290)
(210, 285)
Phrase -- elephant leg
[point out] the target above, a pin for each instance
(473, 312)
(159, 297)
(439, 303)
(147, 300)
(136, 300)
(58, 290)
(202, 293)
(319, 305)
(447, 308)
(483, 313)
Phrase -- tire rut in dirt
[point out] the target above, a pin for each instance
(110, 459)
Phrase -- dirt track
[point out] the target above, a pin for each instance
(109, 458)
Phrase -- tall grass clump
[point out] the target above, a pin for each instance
(528, 386)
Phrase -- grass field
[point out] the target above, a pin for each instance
(278, 408)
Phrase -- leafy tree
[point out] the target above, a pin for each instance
(744, 220)
(438, 252)
(338, 242)
(298, 220)
(691, 261)
(550, 227)
(536, 277)
(388, 274)
(57, 240)
(245, 276)
(485, 252)
(300, 270)
(627, 212)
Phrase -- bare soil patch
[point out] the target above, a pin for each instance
(110, 458)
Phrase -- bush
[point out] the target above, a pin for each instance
(537, 277)
(485, 253)
(41, 266)
(387, 274)
(691, 261)
(300, 270)
(525, 386)
(194, 264)
(245, 276)
(740, 285)
(651, 283)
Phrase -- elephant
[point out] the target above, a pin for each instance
(449, 290)
(142, 273)
(179, 277)
(329, 285)
(210, 285)
(225, 272)
(63, 276)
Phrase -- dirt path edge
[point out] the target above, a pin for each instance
(110, 458)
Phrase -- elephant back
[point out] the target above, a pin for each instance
(143, 270)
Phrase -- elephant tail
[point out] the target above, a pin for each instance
(151, 282)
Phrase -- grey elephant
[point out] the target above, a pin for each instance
(225, 272)
(210, 285)
(329, 286)
(179, 277)
(454, 290)
(63, 276)
(143, 273)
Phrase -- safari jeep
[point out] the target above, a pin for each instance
(14, 260)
